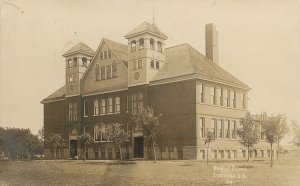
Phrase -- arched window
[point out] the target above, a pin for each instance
(84, 62)
(159, 46)
(75, 62)
(141, 43)
(133, 46)
(152, 44)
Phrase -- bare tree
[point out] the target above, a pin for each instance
(296, 133)
(56, 141)
(249, 133)
(116, 134)
(209, 138)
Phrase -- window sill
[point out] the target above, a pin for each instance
(85, 116)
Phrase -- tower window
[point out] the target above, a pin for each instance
(140, 64)
(152, 64)
(75, 62)
(133, 46)
(152, 47)
(134, 64)
(84, 62)
(69, 63)
(141, 43)
(159, 46)
(70, 78)
(157, 65)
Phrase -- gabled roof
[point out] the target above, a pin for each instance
(146, 27)
(184, 60)
(80, 48)
(57, 95)
(119, 49)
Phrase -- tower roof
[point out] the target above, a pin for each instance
(80, 48)
(146, 27)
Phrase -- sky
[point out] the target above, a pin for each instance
(258, 44)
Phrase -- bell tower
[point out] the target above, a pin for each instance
(77, 60)
(146, 53)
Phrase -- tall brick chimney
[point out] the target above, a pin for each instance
(211, 42)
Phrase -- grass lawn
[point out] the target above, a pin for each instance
(93, 172)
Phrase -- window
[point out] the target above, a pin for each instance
(109, 54)
(227, 129)
(221, 97)
(213, 95)
(96, 107)
(117, 105)
(214, 126)
(73, 111)
(110, 105)
(84, 62)
(134, 103)
(159, 46)
(202, 127)
(75, 62)
(102, 72)
(152, 44)
(226, 101)
(133, 46)
(231, 98)
(152, 64)
(69, 63)
(114, 70)
(105, 54)
(140, 64)
(233, 133)
(234, 99)
(108, 71)
(103, 106)
(141, 43)
(97, 72)
(157, 65)
(134, 64)
(200, 94)
(220, 128)
(74, 78)
(70, 111)
(99, 131)
(85, 111)
(70, 78)
(244, 100)
(140, 100)
(101, 55)
(218, 96)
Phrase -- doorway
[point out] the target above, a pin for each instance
(73, 148)
(139, 147)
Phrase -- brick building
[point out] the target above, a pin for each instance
(191, 90)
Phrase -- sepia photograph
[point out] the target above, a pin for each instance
(150, 92)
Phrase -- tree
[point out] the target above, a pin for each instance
(85, 139)
(296, 133)
(249, 132)
(117, 135)
(283, 130)
(149, 125)
(209, 138)
(272, 130)
(56, 141)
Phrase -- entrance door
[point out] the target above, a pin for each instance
(73, 148)
(139, 147)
